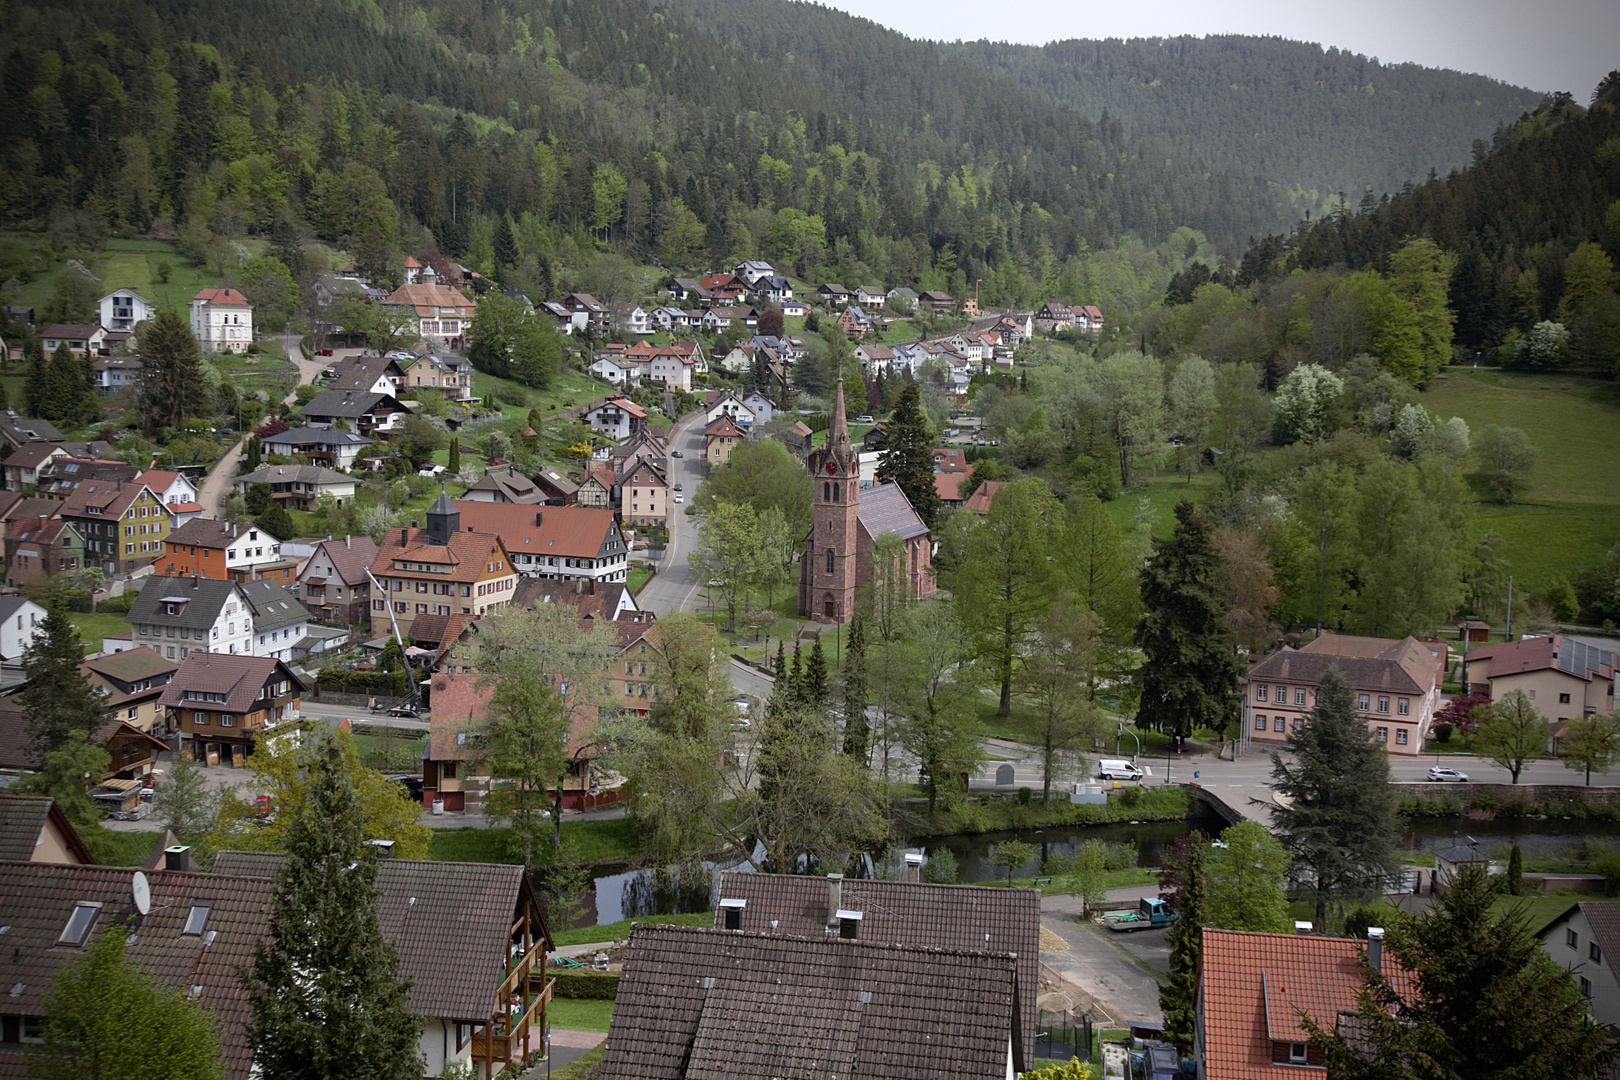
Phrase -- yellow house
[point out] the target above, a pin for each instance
(124, 524)
(719, 437)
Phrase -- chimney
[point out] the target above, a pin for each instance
(914, 863)
(1303, 929)
(1375, 948)
(346, 539)
(1285, 667)
(384, 849)
(849, 925)
(537, 517)
(733, 910)
(835, 898)
(177, 858)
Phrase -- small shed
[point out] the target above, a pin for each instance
(1448, 861)
(1473, 632)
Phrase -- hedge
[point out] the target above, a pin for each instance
(590, 985)
(344, 679)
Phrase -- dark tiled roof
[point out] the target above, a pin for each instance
(293, 474)
(885, 509)
(210, 533)
(450, 921)
(305, 436)
(712, 1004)
(511, 484)
(592, 599)
(21, 820)
(272, 605)
(240, 678)
(109, 498)
(350, 403)
(362, 372)
(1404, 667)
(36, 900)
(132, 665)
(33, 455)
(204, 599)
(902, 913)
(351, 558)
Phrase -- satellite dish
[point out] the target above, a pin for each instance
(141, 892)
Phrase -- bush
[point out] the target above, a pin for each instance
(586, 985)
(1130, 797)
(941, 868)
(1442, 732)
(1120, 856)
(512, 395)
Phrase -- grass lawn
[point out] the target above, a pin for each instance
(92, 628)
(120, 848)
(133, 264)
(579, 1014)
(1113, 879)
(1571, 513)
(589, 1065)
(592, 840)
(1163, 489)
(569, 389)
(1543, 907)
(637, 577)
(618, 930)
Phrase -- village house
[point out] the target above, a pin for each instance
(643, 493)
(1395, 684)
(178, 616)
(616, 369)
(1564, 677)
(279, 620)
(794, 309)
(717, 319)
(1054, 317)
(726, 403)
(505, 485)
(1585, 941)
(222, 704)
(875, 359)
(334, 585)
(700, 1002)
(570, 542)
(332, 448)
(41, 546)
(565, 320)
(1089, 317)
(719, 437)
(452, 376)
(723, 288)
(34, 829)
(1253, 988)
(60, 477)
(114, 373)
(853, 322)
(19, 430)
(482, 1003)
(80, 338)
(687, 289)
(633, 320)
(123, 525)
(130, 683)
(740, 359)
(222, 320)
(367, 374)
(979, 502)
(442, 569)
(598, 486)
(752, 271)
(441, 310)
(596, 316)
(367, 413)
(938, 302)
(23, 466)
(615, 416)
(671, 368)
(556, 489)
(871, 299)
(831, 294)
(599, 601)
(298, 486)
(774, 288)
(123, 309)
(761, 407)
(19, 622)
(219, 550)
(837, 556)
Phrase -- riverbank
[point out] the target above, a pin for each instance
(986, 814)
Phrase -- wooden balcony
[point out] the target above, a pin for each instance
(517, 1020)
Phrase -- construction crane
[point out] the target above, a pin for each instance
(410, 676)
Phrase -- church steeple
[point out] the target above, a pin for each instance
(839, 449)
(443, 520)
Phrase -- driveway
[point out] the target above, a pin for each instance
(218, 481)
(1104, 969)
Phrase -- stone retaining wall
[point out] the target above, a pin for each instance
(1519, 793)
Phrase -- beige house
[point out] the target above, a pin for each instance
(1585, 941)
(1395, 686)
(1563, 677)
(222, 319)
(643, 494)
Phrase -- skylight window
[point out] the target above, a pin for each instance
(78, 925)
(196, 919)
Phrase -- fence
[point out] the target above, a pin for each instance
(1061, 1035)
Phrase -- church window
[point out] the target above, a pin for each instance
(835, 493)
(829, 560)
(826, 492)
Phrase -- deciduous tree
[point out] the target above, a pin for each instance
(1097, 573)
(1506, 459)
(1054, 680)
(1589, 743)
(184, 804)
(1338, 822)
(1512, 733)
(1246, 872)
(729, 555)
(935, 697)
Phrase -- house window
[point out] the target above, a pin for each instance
(1563, 699)
(1282, 695)
(78, 926)
(1260, 693)
(1296, 1053)
(1586, 987)
(1383, 704)
(1400, 736)
(1362, 701)
(1595, 953)
(1299, 695)
(1299, 725)
(1403, 706)
(197, 920)
(1259, 722)
(1278, 724)
(829, 560)
(1382, 734)
(1572, 939)
(447, 770)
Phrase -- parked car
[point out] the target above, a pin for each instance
(863, 419)
(404, 711)
(679, 499)
(1446, 775)
(323, 352)
(412, 785)
(677, 487)
(676, 453)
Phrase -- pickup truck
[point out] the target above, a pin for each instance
(1151, 915)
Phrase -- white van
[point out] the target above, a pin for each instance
(1109, 769)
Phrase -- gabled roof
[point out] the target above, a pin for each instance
(467, 554)
(979, 501)
(516, 487)
(25, 429)
(1402, 667)
(202, 601)
(1254, 985)
(36, 900)
(618, 401)
(72, 331)
(130, 666)
(109, 498)
(572, 531)
(223, 297)
(351, 558)
(293, 474)
(213, 533)
(33, 455)
(362, 372)
(22, 826)
(1568, 655)
(324, 436)
(158, 481)
(723, 426)
(885, 509)
(554, 481)
(237, 676)
(427, 299)
(1603, 916)
(971, 918)
(591, 599)
(423, 908)
(350, 403)
(711, 1004)
(456, 722)
(272, 605)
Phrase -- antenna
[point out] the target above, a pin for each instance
(140, 891)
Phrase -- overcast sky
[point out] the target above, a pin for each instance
(1545, 45)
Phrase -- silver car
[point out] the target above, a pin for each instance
(1446, 774)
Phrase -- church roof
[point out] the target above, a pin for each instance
(885, 509)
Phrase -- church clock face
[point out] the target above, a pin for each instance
(832, 467)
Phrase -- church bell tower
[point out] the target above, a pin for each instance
(829, 568)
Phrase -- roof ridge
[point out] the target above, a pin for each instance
(893, 946)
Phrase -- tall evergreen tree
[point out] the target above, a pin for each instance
(58, 699)
(1483, 1000)
(796, 679)
(1338, 820)
(172, 386)
(64, 386)
(506, 250)
(455, 456)
(909, 458)
(1178, 999)
(34, 384)
(815, 679)
(857, 733)
(1190, 666)
(327, 997)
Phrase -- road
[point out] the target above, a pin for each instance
(218, 481)
(675, 587)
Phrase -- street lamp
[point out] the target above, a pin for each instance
(1122, 732)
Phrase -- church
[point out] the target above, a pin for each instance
(837, 558)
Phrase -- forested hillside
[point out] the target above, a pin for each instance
(1304, 122)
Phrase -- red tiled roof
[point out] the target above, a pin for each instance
(111, 498)
(723, 426)
(225, 297)
(468, 553)
(947, 484)
(428, 299)
(979, 502)
(1406, 666)
(351, 558)
(1254, 985)
(573, 531)
(1540, 653)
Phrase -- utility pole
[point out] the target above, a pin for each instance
(1510, 608)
